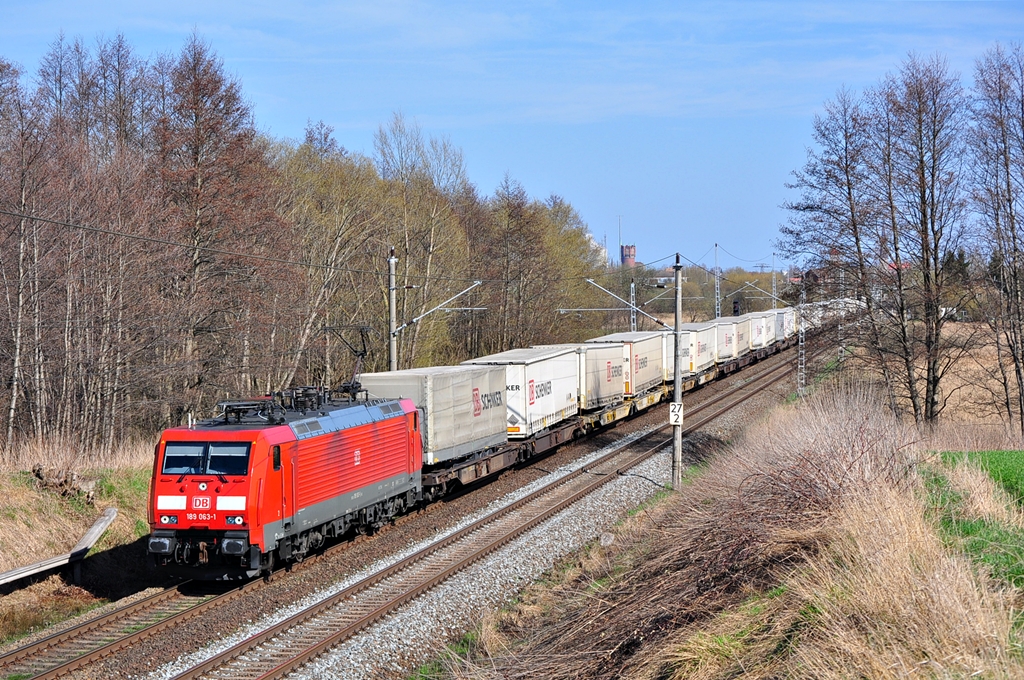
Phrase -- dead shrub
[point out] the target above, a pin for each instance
(759, 510)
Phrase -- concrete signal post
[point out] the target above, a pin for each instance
(676, 407)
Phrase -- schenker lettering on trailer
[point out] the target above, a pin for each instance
(483, 402)
(539, 390)
(614, 371)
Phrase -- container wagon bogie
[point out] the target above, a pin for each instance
(271, 479)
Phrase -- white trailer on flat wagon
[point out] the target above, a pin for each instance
(541, 387)
(600, 373)
(641, 359)
(463, 406)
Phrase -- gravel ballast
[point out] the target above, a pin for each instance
(190, 660)
(416, 633)
(413, 635)
(309, 582)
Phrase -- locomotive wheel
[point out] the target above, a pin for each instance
(268, 569)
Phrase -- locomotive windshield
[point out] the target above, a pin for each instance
(206, 458)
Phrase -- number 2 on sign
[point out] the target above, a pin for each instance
(675, 413)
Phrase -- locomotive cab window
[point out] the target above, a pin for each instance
(184, 458)
(228, 458)
(206, 458)
(277, 458)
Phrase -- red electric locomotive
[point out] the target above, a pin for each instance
(277, 476)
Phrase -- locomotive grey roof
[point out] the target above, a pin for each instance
(341, 419)
(526, 355)
(330, 417)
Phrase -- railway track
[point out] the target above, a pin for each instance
(68, 650)
(315, 630)
(302, 637)
(77, 647)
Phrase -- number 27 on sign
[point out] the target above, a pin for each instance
(675, 413)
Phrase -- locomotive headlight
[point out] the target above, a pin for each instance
(168, 519)
(235, 520)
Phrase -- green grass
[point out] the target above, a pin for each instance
(23, 478)
(435, 670)
(125, 487)
(997, 546)
(1006, 467)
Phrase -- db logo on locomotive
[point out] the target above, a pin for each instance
(201, 503)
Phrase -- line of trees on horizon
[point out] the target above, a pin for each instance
(911, 197)
(158, 254)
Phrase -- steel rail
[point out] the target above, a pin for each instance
(95, 644)
(218, 662)
(94, 637)
(98, 648)
(70, 633)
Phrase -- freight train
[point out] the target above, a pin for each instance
(271, 479)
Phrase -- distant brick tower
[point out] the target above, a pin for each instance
(628, 254)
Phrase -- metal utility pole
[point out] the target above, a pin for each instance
(839, 325)
(392, 313)
(597, 285)
(801, 361)
(718, 287)
(632, 305)
(676, 407)
(773, 281)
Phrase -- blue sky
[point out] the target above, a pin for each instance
(684, 119)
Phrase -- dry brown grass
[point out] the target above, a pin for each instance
(971, 392)
(971, 436)
(41, 604)
(803, 552)
(68, 457)
(888, 600)
(37, 523)
(982, 497)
